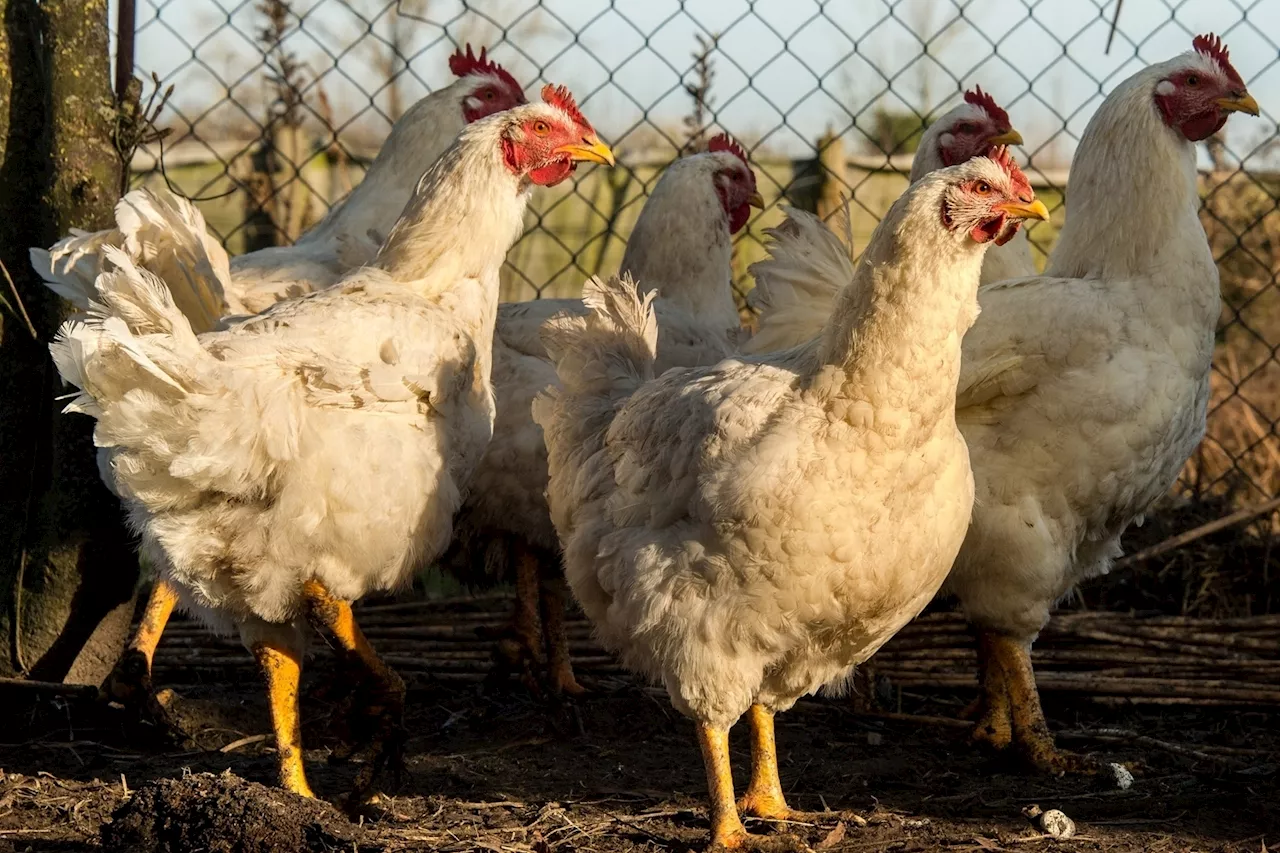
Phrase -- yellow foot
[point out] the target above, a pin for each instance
(129, 682)
(992, 728)
(564, 683)
(383, 755)
(513, 654)
(770, 808)
(129, 685)
(764, 806)
(743, 840)
(1038, 751)
(992, 711)
(373, 735)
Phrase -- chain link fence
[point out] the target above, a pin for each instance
(279, 105)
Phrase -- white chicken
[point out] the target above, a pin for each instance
(748, 532)
(304, 457)
(1083, 391)
(796, 305)
(681, 248)
(158, 228)
(165, 235)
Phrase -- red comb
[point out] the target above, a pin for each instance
(1004, 160)
(983, 101)
(559, 96)
(1211, 46)
(725, 142)
(462, 64)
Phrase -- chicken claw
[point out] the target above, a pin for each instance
(1012, 715)
(535, 645)
(764, 798)
(129, 682)
(727, 831)
(993, 723)
(559, 667)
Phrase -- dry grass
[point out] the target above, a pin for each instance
(1240, 456)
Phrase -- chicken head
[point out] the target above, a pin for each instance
(1196, 97)
(735, 182)
(548, 142)
(970, 132)
(989, 206)
(493, 89)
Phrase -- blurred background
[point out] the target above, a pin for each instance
(278, 106)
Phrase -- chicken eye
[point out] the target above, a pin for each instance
(1193, 80)
(965, 127)
(982, 188)
(541, 128)
(489, 94)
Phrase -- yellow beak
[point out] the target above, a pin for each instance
(1010, 138)
(756, 200)
(591, 149)
(1034, 210)
(1240, 104)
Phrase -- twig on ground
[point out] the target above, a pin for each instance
(244, 741)
(1183, 539)
(51, 688)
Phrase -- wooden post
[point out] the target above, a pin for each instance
(260, 201)
(833, 169)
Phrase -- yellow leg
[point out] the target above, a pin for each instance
(764, 795)
(1030, 730)
(557, 640)
(129, 682)
(994, 723)
(282, 669)
(726, 827)
(334, 616)
(383, 706)
(528, 624)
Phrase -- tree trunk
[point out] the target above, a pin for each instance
(67, 568)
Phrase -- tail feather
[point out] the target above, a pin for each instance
(177, 422)
(114, 348)
(797, 284)
(601, 359)
(611, 351)
(141, 299)
(71, 265)
(161, 232)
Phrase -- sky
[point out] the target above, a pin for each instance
(784, 69)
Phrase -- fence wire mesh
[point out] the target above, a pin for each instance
(280, 104)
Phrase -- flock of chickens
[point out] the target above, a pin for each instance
(743, 517)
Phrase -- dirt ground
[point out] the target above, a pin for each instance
(496, 770)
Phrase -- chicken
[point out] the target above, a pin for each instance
(966, 131)
(354, 229)
(166, 235)
(681, 247)
(1083, 391)
(155, 225)
(748, 532)
(302, 458)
